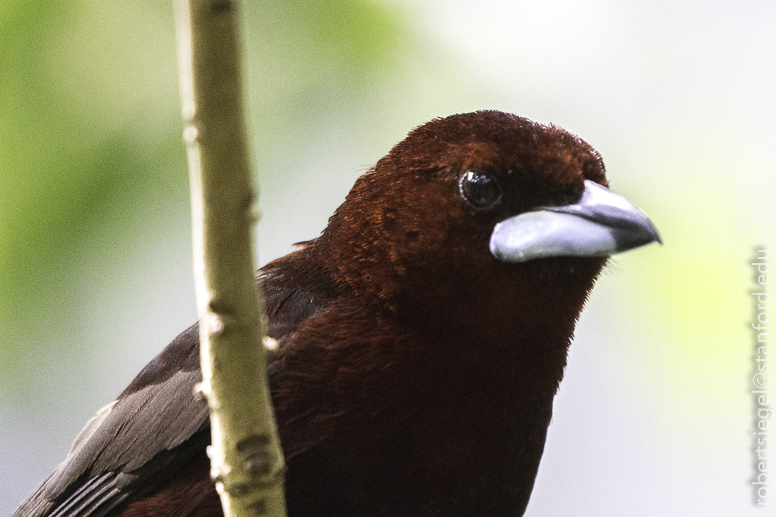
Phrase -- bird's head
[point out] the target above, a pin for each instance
(482, 216)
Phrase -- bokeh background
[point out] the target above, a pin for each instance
(654, 416)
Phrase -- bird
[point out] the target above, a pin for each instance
(422, 337)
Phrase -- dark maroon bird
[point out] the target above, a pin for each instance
(422, 338)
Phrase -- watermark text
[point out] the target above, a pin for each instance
(760, 380)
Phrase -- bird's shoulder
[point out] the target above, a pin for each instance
(158, 423)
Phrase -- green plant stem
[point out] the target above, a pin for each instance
(246, 458)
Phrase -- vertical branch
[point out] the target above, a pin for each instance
(246, 458)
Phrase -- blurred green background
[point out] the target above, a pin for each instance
(654, 416)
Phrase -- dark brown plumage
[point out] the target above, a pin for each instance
(422, 338)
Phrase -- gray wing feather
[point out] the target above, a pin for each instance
(119, 441)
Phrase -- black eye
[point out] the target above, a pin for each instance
(479, 189)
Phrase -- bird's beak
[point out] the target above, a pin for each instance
(602, 223)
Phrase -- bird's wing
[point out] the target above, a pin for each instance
(131, 440)
(158, 423)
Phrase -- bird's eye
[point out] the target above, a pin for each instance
(479, 189)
